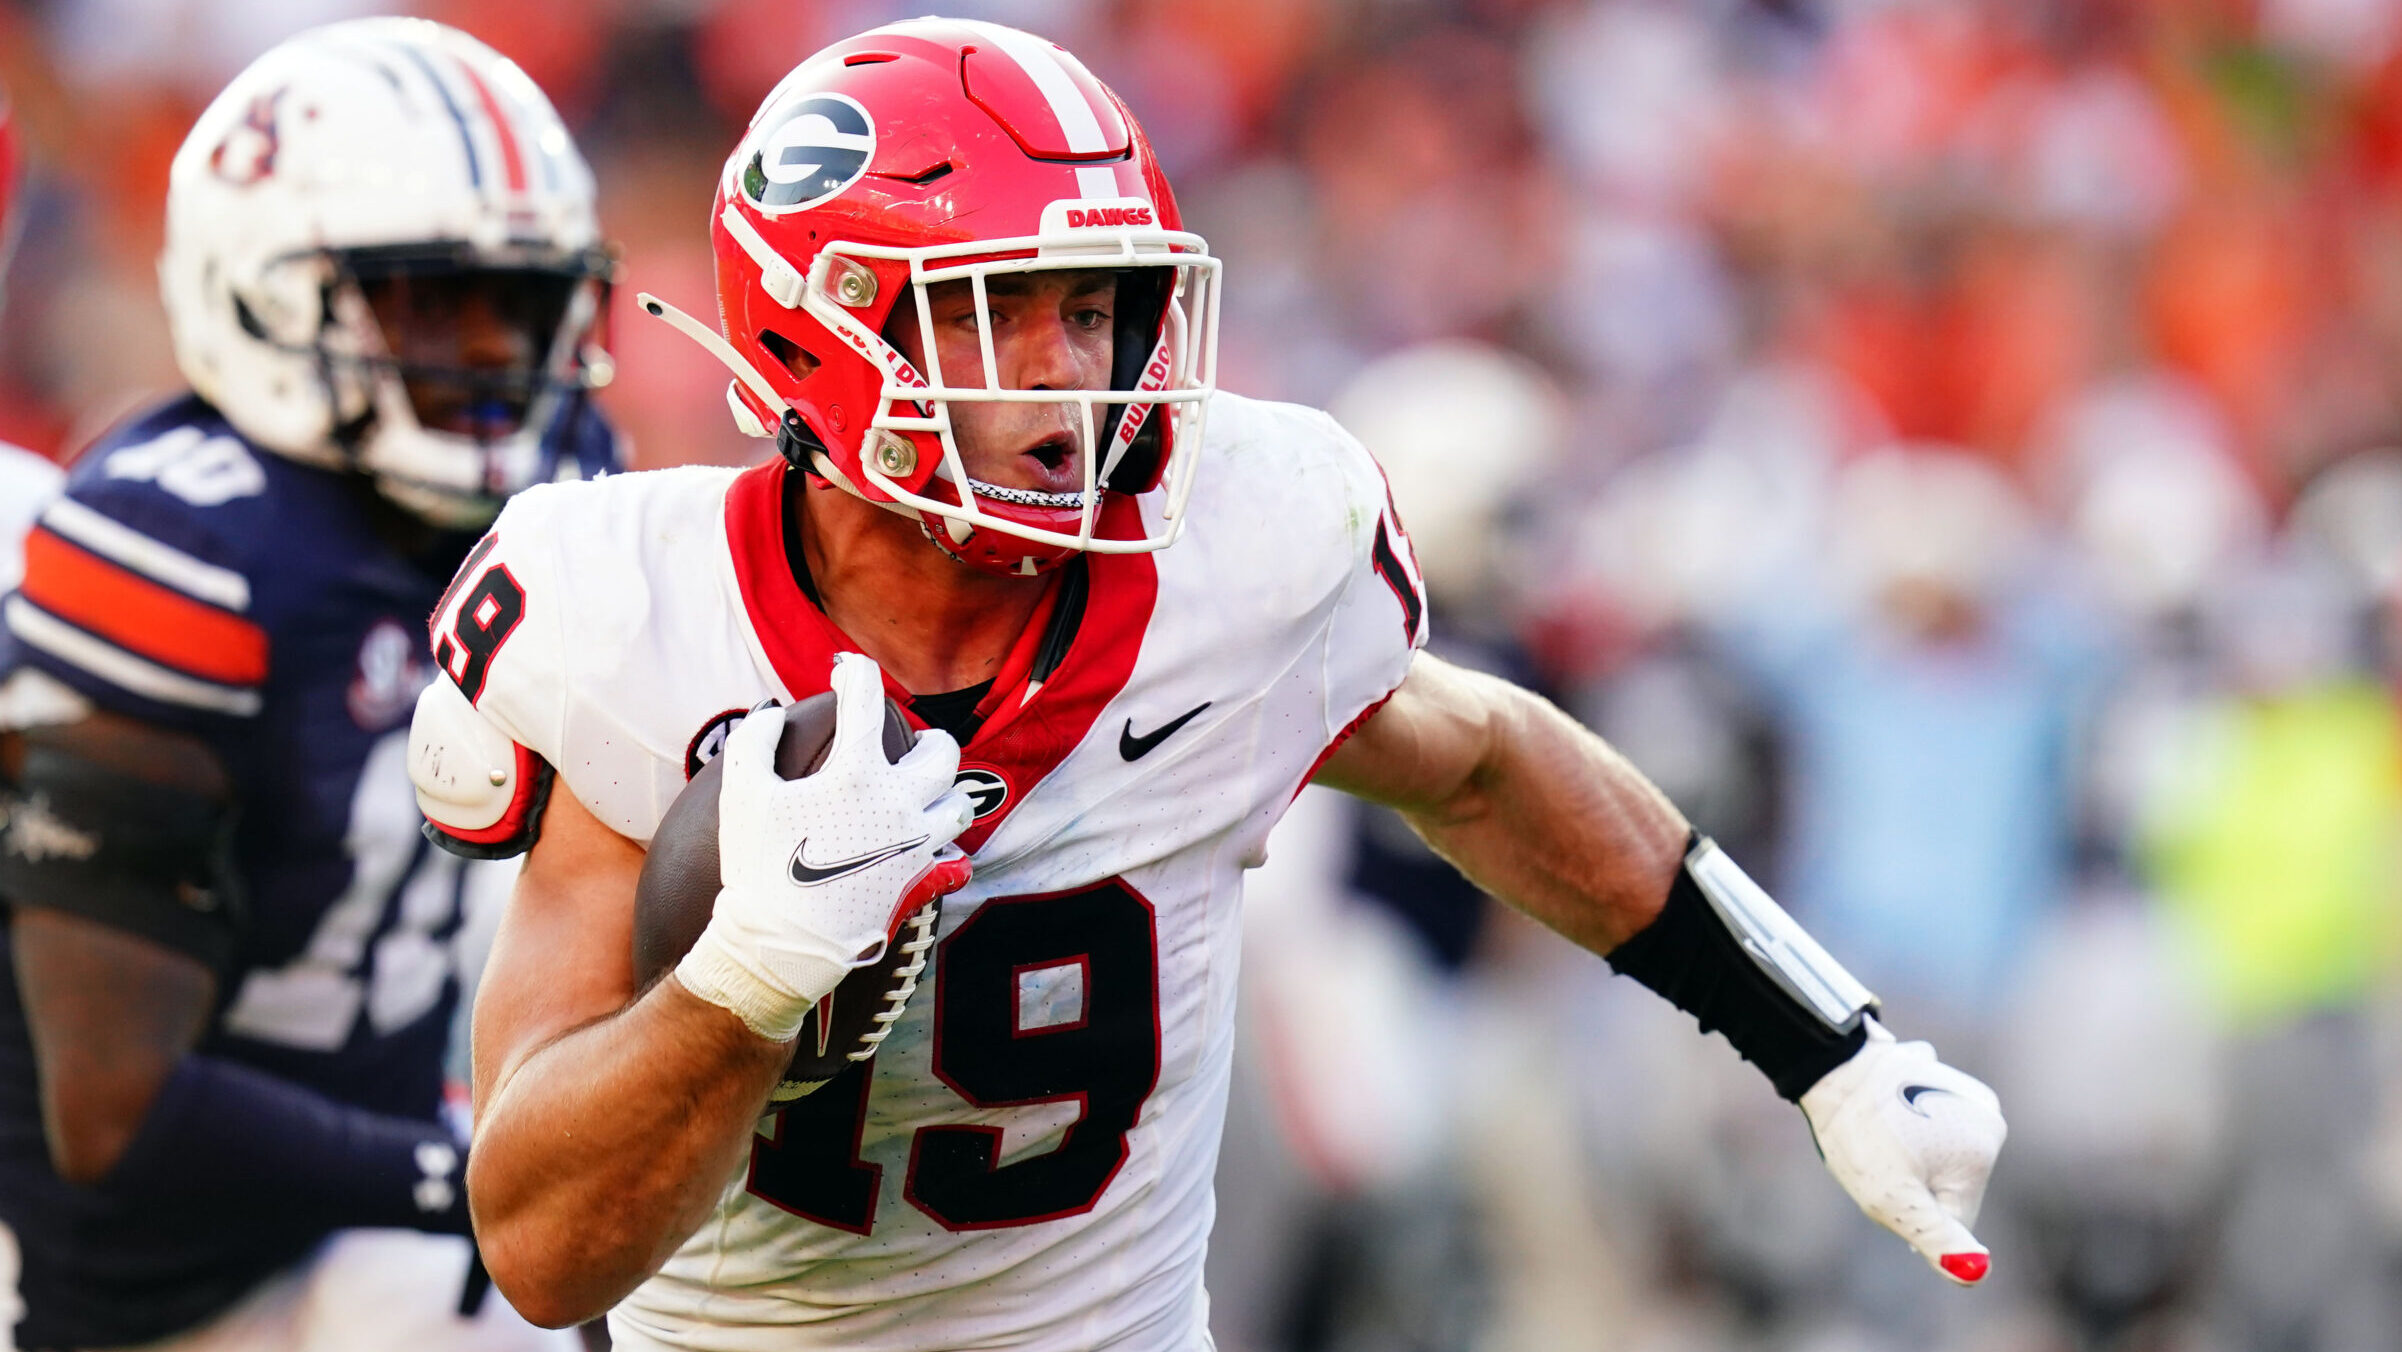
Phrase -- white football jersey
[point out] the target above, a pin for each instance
(1027, 1161)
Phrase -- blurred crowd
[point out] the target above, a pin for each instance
(1954, 446)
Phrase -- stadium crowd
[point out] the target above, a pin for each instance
(1954, 447)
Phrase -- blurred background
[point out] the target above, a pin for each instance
(1955, 448)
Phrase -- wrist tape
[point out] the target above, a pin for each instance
(1723, 951)
(773, 998)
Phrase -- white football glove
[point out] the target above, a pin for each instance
(1913, 1141)
(820, 872)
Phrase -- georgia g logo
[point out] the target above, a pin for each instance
(807, 151)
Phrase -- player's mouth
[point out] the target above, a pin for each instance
(1051, 464)
(486, 406)
(1045, 468)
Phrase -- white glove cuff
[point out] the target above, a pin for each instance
(720, 970)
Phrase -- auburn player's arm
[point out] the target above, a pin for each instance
(124, 914)
(109, 1011)
(607, 1118)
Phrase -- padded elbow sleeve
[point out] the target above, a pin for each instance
(482, 794)
(152, 859)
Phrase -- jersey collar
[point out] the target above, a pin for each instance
(1030, 724)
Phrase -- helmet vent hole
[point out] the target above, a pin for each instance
(870, 58)
(939, 169)
(783, 349)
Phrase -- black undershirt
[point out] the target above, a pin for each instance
(954, 711)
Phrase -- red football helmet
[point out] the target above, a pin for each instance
(934, 150)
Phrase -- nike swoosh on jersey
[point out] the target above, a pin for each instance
(810, 875)
(1134, 748)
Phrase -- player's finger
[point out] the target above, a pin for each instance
(1961, 1163)
(932, 762)
(1939, 1237)
(1961, 1197)
(858, 707)
(949, 815)
(751, 744)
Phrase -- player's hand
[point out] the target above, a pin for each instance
(819, 872)
(1913, 1141)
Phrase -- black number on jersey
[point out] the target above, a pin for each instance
(1387, 562)
(1105, 1057)
(809, 1163)
(487, 616)
(1043, 999)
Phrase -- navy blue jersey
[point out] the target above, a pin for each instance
(276, 611)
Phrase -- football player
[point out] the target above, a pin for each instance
(229, 976)
(954, 286)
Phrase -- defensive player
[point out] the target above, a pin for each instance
(229, 979)
(954, 285)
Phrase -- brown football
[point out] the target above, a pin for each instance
(680, 881)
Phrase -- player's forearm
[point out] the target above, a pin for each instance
(606, 1148)
(1556, 823)
(222, 1134)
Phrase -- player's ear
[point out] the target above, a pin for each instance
(797, 360)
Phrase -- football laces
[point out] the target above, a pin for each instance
(921, 939)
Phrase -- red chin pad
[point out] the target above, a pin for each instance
(995, 551)
(998, 552)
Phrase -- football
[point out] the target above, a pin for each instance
(679, 885)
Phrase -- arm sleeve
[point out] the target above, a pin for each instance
(150, 859)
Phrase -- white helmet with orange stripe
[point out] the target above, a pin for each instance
(382, 255)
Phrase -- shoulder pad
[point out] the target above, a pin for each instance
(481, 792)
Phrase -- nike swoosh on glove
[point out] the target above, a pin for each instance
(783, 935)
(1913, 1141)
